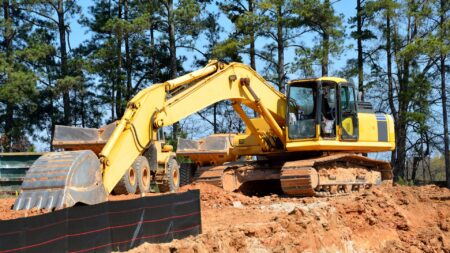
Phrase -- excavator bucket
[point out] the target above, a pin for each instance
(78, 138)
(62, 179)
(213, 149)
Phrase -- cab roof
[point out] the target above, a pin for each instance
(325, 78)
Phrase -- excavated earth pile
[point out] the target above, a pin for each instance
(382, 219)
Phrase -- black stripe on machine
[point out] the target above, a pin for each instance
(382, 127)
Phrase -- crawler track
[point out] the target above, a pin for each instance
(210, 174)
(333, 175)
(330, 175)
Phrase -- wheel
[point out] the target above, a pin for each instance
(143, 174)
(185, 173)
(128, 182)
(173, 177)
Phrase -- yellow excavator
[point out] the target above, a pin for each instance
(311, 142)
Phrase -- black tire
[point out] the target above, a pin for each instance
(184, 174)
(128, 183)
(187, 171)
(144, 176)
(173, 177)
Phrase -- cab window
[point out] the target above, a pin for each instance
(349, 120)
(328, 116)
(302, 112)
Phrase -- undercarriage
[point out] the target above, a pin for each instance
(321, 176)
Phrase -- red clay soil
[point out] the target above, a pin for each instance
(6, 212)
(6, 204)
(382, 219)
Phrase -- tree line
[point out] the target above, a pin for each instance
(401, 50)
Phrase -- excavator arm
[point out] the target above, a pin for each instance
(167, 103)
(62, 179)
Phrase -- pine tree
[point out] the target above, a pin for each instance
(121, 53)
(320, 17)
(181, 23)
(362, 34)
(17, 82)
(406, 29)
(281, 27)
(444, 50)
(54, 16)
(246, 17)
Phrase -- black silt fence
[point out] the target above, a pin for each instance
(106, 227)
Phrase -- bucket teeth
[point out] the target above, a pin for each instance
(59, 180)
(40, 200)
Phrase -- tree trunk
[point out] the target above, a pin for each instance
(111, 74)
(113, 96)
(415, 166)
(119, 88)
(399, 163)
(325, 51)
(325, 44)
(402, 122)
(173, 57)
(390, 81)
(63, 71)
(252, 39)
(252, 51)
(7, 43)
(53, 122)
(425, 161)
(215, 118)
(51, 104)
(252, 45)
(444, 96)
(152, 42)
(360, 50)
(172, 46)
(445, 120)
(8, 31)
(9, 125)
(403, 66)
(280, 47)
(128, 56)
(153, 53)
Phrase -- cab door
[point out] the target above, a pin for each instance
(348, 115)
(302, 111)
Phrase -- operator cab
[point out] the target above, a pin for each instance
(322, 108)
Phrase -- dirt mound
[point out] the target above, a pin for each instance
(215, 197)
(405, 218)
(384, 219)
(6, 212)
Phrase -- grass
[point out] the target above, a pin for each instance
(402, 181)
